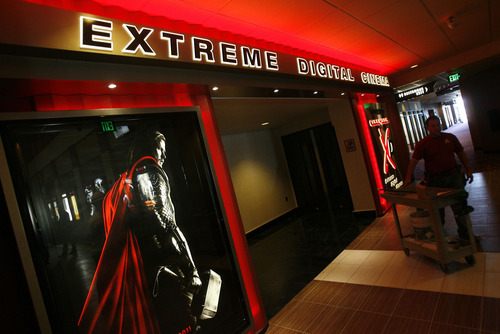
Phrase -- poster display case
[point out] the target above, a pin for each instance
(119, 222)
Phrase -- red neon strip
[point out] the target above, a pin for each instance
(370, 98)
(232, 211)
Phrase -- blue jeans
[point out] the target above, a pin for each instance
(455, 180)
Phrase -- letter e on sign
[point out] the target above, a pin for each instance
(271, 59)
(96, 34)
(251, 57)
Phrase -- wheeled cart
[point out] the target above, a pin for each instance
(432, 199)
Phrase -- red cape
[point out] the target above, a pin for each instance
(119, 298)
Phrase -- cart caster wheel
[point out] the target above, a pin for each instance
(444, 268)
(407, 251)
(470, 259)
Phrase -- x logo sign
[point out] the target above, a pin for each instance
(384, 140)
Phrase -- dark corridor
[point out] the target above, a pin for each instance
(295, 248)
(319, 179)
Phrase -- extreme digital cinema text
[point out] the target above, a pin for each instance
(97, 34)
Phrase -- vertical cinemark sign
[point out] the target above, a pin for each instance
(383, 146)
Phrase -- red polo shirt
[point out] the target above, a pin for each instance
(438, 153)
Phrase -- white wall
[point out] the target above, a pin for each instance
(259, 172)
(260, 178)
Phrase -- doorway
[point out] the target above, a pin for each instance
(319, 181)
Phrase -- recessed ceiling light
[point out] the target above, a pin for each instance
(265, 123)
(413, 66)
(215, 88)
(112, 85)
(276, 90)
(316, 92)
(342, 93)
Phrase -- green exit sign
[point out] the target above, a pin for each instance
(454, 77)
(107, 126)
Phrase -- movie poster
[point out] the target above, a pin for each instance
(124, 224)
(381, 135)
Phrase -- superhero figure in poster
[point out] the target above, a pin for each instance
(146, 277)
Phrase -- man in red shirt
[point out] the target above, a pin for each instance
(438, 150)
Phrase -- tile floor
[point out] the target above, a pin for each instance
(373, 287)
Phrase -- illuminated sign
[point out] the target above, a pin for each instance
(323, 70)
(384, 140)
(380, 133)
(107, 126)
(75, 207)
(454, 77)
(73, 31)
(378, 121)
(374, 79)
(99, 35)
(415, 92)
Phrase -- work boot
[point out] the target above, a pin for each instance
(476, 237)
(465, 211)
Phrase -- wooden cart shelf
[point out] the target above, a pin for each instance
(438, 248)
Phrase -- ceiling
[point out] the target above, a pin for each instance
(248, 114)
(388, 36)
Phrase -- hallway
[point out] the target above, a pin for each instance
(373, 287)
